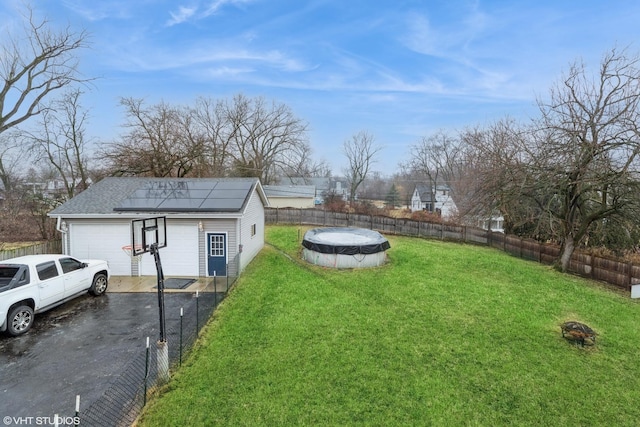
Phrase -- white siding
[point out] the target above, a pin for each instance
(180, 256)
(104, 239)
(186, 251)
(252, 244)
(218, 226)
(416, 203)
(101, 240)
(292, 202)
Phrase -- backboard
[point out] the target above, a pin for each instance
(147, 231)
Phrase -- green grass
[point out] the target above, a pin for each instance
(444, 334)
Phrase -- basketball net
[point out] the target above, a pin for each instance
(128, 249)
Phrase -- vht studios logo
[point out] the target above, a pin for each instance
(41, 421)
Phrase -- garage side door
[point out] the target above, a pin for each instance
(180, 257)
(102, 241)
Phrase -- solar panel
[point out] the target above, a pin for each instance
(187, 196)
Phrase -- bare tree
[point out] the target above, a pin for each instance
(60, 141)
(159, 142)
(33, 65)
(492, 171)
(11, 161)
(575, 172)
(209, 119)
(266, 139)
(361, 152)
(435, 159)
(242, 137)
(587, 149)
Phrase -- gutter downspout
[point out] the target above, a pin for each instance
(61, 226)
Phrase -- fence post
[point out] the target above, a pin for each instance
(146, 374)
(521, 246)
(76, 421)
(540, 249)
(197, 308)
(181, 315)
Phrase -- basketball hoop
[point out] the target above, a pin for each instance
(128, 249)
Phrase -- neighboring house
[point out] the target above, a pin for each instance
(323, 185)
(291, 196)
(433, 199)
(214, 226)
(495, 223)
(54, 188)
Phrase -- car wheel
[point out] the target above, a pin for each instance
(19, 320)
(99, 285)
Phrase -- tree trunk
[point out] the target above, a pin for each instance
(565, 253)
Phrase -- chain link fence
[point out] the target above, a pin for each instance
(128, 392)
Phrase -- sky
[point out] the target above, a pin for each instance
(399, 69)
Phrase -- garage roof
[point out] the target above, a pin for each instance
(299, 191)
(155, 195)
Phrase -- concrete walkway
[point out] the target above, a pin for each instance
(130, 284)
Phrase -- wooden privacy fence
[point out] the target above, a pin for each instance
(49, 247)
(621, 274)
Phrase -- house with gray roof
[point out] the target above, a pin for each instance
(214, 226)
(435, 199)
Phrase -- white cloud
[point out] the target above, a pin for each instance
(183, 14)
(97, 11)
(216, 5)
(228, 72)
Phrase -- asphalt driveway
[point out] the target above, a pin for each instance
(79, 348)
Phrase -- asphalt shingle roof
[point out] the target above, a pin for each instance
(308, 191)
(135, 194)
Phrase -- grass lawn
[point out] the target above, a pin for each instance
(444, 334)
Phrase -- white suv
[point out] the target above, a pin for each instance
(35, 283)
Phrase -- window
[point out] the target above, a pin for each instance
(216, 245)
(253, 230)
(70, 264)
(9, 275)
(47, 270)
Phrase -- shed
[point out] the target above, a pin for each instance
(215, 226)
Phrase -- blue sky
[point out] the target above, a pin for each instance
(398, 69)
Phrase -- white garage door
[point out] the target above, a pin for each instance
(180, 257)
(102, 241)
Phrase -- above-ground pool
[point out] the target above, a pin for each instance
(344, 247)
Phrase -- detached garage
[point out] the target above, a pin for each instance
(214, 226)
